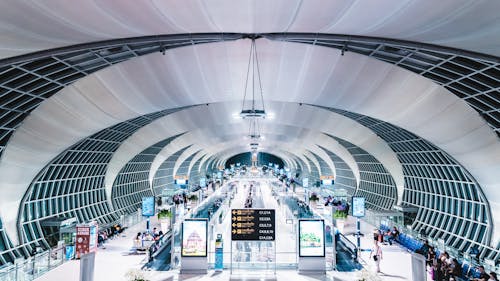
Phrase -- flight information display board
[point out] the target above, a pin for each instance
(253, 225)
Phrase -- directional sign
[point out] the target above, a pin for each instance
(253, 225)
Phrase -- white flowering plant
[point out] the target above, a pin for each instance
(366, 275)
(135, 275)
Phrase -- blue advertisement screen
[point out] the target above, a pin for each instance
(203, 182)
(148, 206)
(358, 206)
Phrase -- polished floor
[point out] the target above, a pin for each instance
(117, 259)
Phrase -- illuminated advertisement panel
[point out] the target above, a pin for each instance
(148, 206)
(358, 206)
(305, 182)
(327, 182)
(194, 238)
(311, 238)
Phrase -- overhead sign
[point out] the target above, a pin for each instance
(358, 206)
(253, 225)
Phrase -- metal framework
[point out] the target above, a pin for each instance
(344, 177)
(194, 175)
(375, 182)
(473, 77)
(72, 185)
(313, 173)
(164, 176)
(27, 80)
(132, 183)
(324, 168)
(451, 204)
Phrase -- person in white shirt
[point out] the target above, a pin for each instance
(376, 253)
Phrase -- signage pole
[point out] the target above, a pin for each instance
(358, 232)
(147, 223)
(275, 261)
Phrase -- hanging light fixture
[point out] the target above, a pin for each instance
(254, 129)
(253, 110)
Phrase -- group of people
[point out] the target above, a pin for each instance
(445, 268)
(109, 233)
(180, 199)
(149, 235)
(144, 239)
(388, 236)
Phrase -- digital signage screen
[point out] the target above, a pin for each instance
(181, 181)
(203, 182)
(305, 182)
(358, 206)
(327, 182)
(194, 238)
(148, 206)
(311, 238)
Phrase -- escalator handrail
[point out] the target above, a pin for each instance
(349, 244)
(163, 241)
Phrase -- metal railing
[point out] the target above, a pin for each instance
(39, 264)
(33, 267)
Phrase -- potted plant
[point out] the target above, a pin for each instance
(338, 214)
(313, 201)
(314, 197)
(339, 218)
(165, 218)
(193, 197)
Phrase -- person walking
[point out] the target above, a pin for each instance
(376, 253)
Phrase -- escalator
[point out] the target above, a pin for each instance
(347, 254)
(160, 252)
(297, 207)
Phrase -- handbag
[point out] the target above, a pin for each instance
(375, 258)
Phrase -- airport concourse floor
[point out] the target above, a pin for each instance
(113, 262)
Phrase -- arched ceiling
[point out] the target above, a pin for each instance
(215, 73)
(388, 82)
(30, 26)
